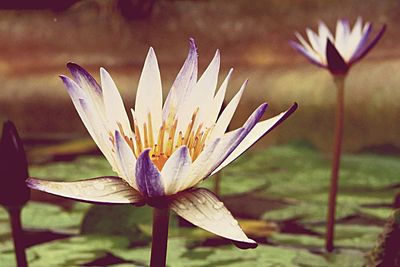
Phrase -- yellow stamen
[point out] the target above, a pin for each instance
(145, 133)
(168, 139)
(150, 128)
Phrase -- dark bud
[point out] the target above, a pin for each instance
(13, 168)
(336, 64)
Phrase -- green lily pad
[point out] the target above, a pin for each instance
(73, 251)
(81, 168)
(47, 216)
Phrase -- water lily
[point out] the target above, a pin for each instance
(170, 148)
(337, 53)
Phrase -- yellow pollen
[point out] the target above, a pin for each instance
(168, 139)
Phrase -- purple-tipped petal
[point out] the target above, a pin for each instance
(261, 129)
(364, 51)
(148, 178)
(83, 78)
(203, 209)
(203, 167)
(299, 48)
(184, 83)
(336, 63)
(362, 44)
(103, 190)
(247, 127)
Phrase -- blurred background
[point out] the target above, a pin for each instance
(39, 38)
(278, 191)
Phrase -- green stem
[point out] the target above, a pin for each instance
(337, 147)
(160, 237)
(17, 234)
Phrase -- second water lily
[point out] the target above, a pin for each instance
(337, 53)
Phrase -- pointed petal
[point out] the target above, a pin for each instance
(106, 190)
(316, 43)
(261, 129)
(89, 116)
(336, 64)
(323, 31)
(175, 169)
(363, 52)
(149, 95)
(184, 83)
(115, 109)
(217, 102)
(148, 178)
(226, 116)
(84, 79)
(126, 159)
(224, 148)
(342, 34)
(304, 42)
(98, 131)
(203, 209)
(361, 43)
(310, 56)
(205, 88)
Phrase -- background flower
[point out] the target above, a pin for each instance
(337, 53)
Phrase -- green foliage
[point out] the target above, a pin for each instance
(287, 183)
(121, 220)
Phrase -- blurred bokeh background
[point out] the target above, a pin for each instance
(279, 194)
(39, 38)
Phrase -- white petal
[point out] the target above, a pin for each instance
(341, 38)
(205, 164)
(217, 102)
(149, 95)
(316, 43)
(261, 129)
(183, 85)
(105, 190)
(226, 116)
(205, 88)
(324, 32)
(93, 121)
(99, 132)
(202, 208)
(176, 169)
(115, 109)
(126, 159)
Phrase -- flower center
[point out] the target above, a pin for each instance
(168, 139)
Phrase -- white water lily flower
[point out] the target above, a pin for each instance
(337, 53)
(170, 148)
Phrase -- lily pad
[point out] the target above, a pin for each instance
(47, 216)
(73, 251)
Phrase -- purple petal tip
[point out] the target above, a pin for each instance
(32, 183)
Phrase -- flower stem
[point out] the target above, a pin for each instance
(160, 237)
(17, 234)
(337, 147)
